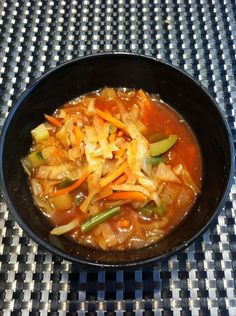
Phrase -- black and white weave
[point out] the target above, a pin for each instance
(197, 35)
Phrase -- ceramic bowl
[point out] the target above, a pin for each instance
(80, 76)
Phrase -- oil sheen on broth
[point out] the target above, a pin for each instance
(114, 169)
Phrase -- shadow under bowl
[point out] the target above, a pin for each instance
(86, 74)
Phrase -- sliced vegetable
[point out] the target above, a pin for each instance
(147, 210)
(53, 120)
(121, 179)
(26, 165)
(170, 193)
(94, 221)
(145, 99)
(78, 135)
(147, 182)
(65, 228)
(145, 104)
(178, 169)
(72, 109)
(131, 178)
(131, 195)
(43, 204)
(90, 106)
(52, 155)
(71, 187)
(101, 242)
(65, 183)
(61, 202)
(189, 181)
(93, 209)
(147, 166)
(156, 160)
(102, 131)
(120, 152)
(84, 206)
(114, 121)
(109, 94)
(155, 197)
(108, 235)
(142, 128)
(185, 197)
(40, 133)
(36, 187)
(114, 174)
(164, 173)
(160, 147)
(137, 152)
(56, 172)
(36, 159)
(112, 137)
(131, 187)
(103, 193)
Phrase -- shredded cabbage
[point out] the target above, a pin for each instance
(131, 187)
(166, 174)
(60, 230)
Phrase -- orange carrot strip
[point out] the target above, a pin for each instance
(131, 178)
(114, 174)
(131, 195)
(121, 179)
(72, 109)
(71, 187)
(112, 138)
(53, 120)
(78, 135)
(119, 153)
(114, 121)
(123, 223)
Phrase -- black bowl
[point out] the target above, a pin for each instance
(90, 73)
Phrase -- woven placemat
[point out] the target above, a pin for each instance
(199, 36)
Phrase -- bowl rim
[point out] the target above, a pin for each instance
(86, 262)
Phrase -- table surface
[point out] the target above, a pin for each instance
(199, 36)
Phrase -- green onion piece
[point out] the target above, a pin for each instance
(94, 221)
(79, 198)
(65, 183)
(158, 148)
(156, 160)
(147, 211)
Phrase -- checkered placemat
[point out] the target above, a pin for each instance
(199, 36)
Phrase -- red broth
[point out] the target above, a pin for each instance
(94, 156)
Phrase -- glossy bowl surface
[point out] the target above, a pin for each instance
(90, 73)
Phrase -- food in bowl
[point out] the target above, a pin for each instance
(114, 169)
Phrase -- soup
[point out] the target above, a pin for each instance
(114, 169)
